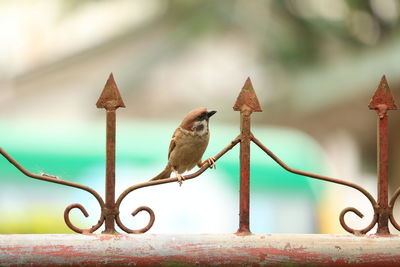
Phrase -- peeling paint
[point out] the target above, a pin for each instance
(220, 249)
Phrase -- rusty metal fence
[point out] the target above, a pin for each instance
(246, 103)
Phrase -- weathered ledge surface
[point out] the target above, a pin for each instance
(215, 249)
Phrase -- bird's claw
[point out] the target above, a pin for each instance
(180, 179)
(211, 162)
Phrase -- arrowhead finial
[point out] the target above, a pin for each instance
(247, 98)
(110, 98)
(382, 96)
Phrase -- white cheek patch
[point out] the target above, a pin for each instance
(200, 127)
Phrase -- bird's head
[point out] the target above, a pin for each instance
(197, 120)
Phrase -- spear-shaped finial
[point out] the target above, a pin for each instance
(110, 96)
(110, 99)
(246, 103)
(247, 98)
(382, 99)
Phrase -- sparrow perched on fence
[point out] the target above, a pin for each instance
(188, 144)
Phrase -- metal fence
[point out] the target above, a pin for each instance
(246, 103)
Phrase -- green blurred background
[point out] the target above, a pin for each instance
(314, 65)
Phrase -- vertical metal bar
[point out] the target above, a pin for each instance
(244, 215)
(382, 101)
(383, 167)
(110, 172)
(110, 99)
(246, 103)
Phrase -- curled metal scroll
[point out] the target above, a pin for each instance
(134, 213)
(157, 182)
(67, 183)
(391, 205)
(83, 210)
(336, 181)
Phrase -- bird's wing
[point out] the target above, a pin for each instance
(172, 144)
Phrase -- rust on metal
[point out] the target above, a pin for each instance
(247, 98)
(391, 205)
(382, 101)
(110, 99)
(67, 183)
(247, 102)
(333, 180)
(163, 181)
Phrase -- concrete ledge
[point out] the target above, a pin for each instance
(223, 249)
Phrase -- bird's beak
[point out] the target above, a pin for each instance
(211, 112)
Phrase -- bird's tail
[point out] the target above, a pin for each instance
(166, 173)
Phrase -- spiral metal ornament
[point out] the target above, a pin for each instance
(83, 210)
(67, 183)
(115, 210)
(391, 206)
(134, 213)
(359, 214)
(333, 180)
(158, 182)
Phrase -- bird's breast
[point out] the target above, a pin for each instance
(188, 151)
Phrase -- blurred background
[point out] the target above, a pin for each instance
(314, 65)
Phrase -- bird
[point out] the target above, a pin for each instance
(188, 144)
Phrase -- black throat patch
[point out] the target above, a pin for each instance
(199, 128)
